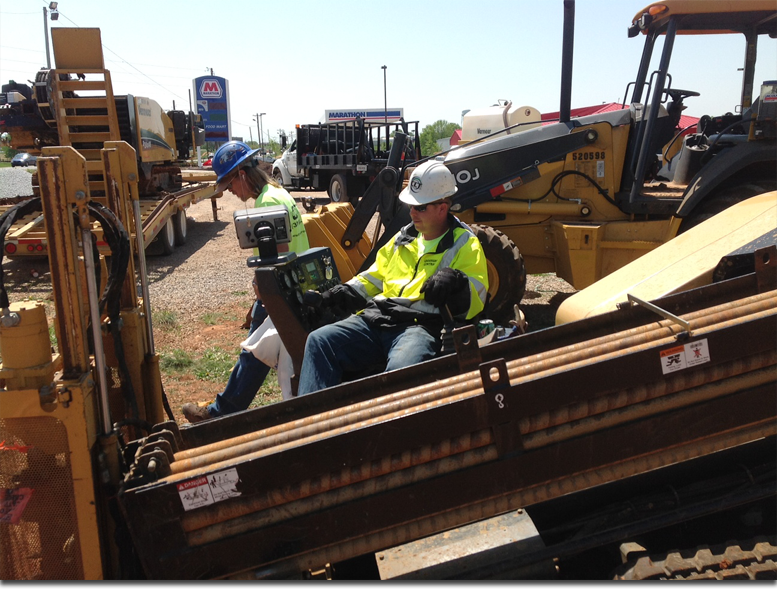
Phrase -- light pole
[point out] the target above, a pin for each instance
(385, 104)
(258, 119)
(54, 17)
(250, 134)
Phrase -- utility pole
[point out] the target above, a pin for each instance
(385, 104)
(250, 134)
(258, 119)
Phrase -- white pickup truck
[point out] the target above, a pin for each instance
(285, 167)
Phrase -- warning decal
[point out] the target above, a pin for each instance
(12, 504)
(681, 357)
(203, 491)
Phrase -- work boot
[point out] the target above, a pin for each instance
(195, 413)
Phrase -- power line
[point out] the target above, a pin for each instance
(128, 63)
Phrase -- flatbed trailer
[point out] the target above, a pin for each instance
(27, 238)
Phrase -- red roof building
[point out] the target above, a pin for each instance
(551, 117)
(685, 121)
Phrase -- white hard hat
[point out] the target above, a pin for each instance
(430, 182)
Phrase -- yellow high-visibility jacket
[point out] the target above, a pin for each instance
(392, 285)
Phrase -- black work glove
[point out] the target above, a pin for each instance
(342, 296)
(447, 286)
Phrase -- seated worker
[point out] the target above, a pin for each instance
(433, 261)
(237, 170)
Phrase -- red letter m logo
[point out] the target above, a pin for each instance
(210, 88)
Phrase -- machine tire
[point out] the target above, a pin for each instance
(506, 273)
(723, 199)
(166, 238)
(180, 227)
(278, 177)
(338, 189)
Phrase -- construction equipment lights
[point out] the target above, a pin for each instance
(656, 9)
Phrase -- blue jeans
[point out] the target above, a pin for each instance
(246, 378)
(352, 345)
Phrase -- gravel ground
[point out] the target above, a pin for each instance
(15, 182)
(209, 272)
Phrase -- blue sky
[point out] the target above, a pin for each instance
(293, 59)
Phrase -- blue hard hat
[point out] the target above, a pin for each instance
(229, 157)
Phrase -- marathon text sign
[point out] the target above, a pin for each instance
(212, 98)
(371, 115)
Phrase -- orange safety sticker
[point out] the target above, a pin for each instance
(681, 357)
(13, 503)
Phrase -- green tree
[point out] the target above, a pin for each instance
(436, 131)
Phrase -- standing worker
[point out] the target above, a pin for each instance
(237, 170)
(433, 262)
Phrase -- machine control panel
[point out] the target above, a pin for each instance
(313, 270)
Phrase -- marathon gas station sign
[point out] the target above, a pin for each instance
(212, 98)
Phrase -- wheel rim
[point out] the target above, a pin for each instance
(278, 178)
(170, 232)
(493, 279)
(336, 191)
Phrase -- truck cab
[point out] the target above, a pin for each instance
(285, 167)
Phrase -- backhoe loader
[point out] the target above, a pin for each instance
(581, 197)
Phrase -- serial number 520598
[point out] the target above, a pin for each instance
(588, 156)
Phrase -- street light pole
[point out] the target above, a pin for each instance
(385, 104)
(46, 35)
(54, 17)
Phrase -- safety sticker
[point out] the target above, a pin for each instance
(12, 504)
(203, 491)
(681, 357)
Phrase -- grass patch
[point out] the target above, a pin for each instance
(214, 318)
(240, 293)
(269, 392)
(166, 319)
(177, 360)
(215, 365)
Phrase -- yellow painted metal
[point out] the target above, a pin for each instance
(156, 137)
(583, 238)
(567, 209)
(326, 228)
(26, 349)
(194, 176)
(683, 263)
(121, 173)
(22, 411)
(715, 14)
(586, 252)
(77, 47)
(58, 192)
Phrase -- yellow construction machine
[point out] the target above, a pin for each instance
(635, 444)
(74, 105)
(583, 197)
(604, 448)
